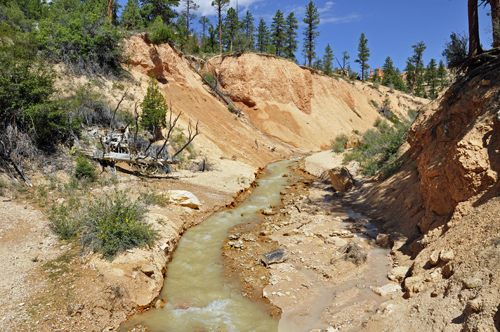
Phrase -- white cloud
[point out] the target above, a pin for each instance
(327, 7)
(339, 19)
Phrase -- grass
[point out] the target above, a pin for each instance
(107, 224)
(379, 151)
(152, 198)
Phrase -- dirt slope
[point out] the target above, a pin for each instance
(298, 105)
(442, 209)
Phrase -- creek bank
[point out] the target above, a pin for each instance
(316, 287)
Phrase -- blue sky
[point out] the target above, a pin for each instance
(391, 26)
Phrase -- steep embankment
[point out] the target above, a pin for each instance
(445, 211)
(300, 106)
(290, 106)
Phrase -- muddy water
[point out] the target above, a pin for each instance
(198, 297)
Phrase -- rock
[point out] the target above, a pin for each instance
(353, 142)
(383, 240)
(184, 198)
(341, 179)
(148, 269)
(472, 283)
(336, 241)
(485, 83)
(268, 212)
(475, 305)
(446, 255)
(275, 256)
(387, 289)
(398, 274)
(414, 284)
(434, 258)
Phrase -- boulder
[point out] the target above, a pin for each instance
(387, 289)
(472, 283)
(353, 142)
(184, 198)
(446, 255)
(414, 284)
(398, 274)
(383, 240)
(341, 178)
(275, 256)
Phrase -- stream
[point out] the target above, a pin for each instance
(200, 299)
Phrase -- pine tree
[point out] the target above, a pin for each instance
(328, 60)
(220, 5)
(188, 12)
(442, 76)
(311, 21)
(131, 15)
(154, 109)
(249, 30)
(262, 36)
(211, 45)
(291, 26)
(151, 9)
(363, 56)
(318, 64)
(204, 22)
(389, 72)
(231, 29)
(431, 78)
(415, 69)
(278, 32)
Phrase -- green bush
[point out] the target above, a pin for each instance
(108, 223)
(84, 169)
(154, 109)
(210, 78)
(161, 34)
(378, 153)
(113, 224)
(339, 143)
(152, 198)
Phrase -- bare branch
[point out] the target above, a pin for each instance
(171, 127)
(190, 138)
(117, 106)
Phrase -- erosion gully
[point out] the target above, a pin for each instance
(201, 299)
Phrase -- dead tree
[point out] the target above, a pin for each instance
(474, 43)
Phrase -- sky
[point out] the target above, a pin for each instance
(391, 26)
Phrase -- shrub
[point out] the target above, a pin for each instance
(161, 34)
(84, 169)
(152, 198)
(210, 78)
(113, 224)
(154, 109)
(64, 222)
(339, 143)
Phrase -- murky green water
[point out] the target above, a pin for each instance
(198, 297)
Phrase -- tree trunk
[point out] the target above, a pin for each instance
(495, 21)
(474, 44)
(110, 6)
(220, 29)
(187, 22)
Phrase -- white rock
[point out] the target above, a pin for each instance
(387, 289)
(398, 274)
(336, 241)
(473, 283)
(446, 255)
(434, 258)
(184, 198)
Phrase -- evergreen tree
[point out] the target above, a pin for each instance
(389, 72)
(442, 75)
(150, 9)
(318, 64)
(211, 44)
(278, 33)
(328, 60)
(363, 56)
(131, 15)
(231, 29)
(249, 31)
(431, 78)
(220, 5)
(154, 109)
(311, 21)
(291, 26)
(415, 69)
(188, 12)
(262, 36)
(204, 22)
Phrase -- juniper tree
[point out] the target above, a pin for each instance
(311, 21)
(415, 69)
(262, 36)
(278, 33)
(291, 26)
(363, 55)
(220, 5)
(328, 60)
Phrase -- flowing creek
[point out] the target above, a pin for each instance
(199, 298)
